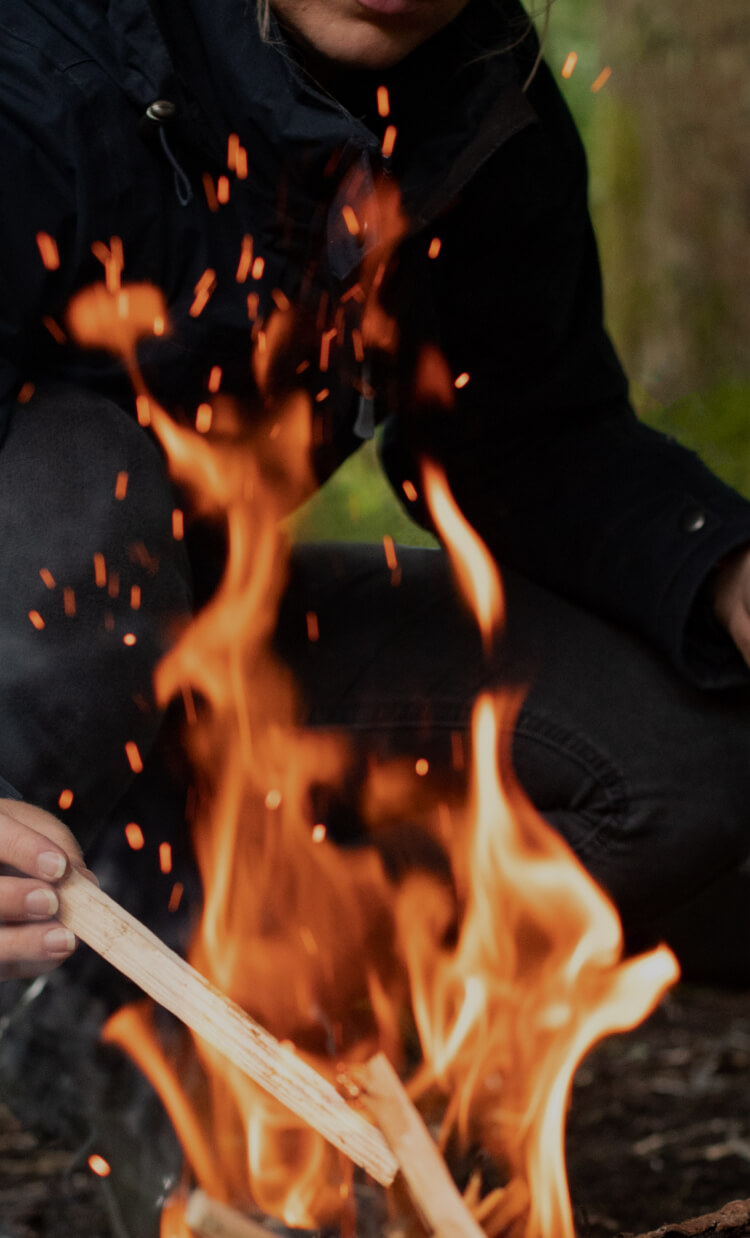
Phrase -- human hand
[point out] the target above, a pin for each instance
(36, 850)
(732, 599)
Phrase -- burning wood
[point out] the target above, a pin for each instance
(130, 947)
(207, 1218)
(431, 1187)
(734, 1217)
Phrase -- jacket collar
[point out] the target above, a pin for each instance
(454, 100)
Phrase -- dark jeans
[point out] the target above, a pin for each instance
(647, 778)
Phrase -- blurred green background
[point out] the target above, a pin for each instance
(668, 139)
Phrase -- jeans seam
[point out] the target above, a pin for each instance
(565, 740)
(609, 778)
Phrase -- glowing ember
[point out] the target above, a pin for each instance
(603, 77)
(410, 490)
(178, 524)
(134, 757)
(165, 857)
(461, 381)
(203, 417)
(121, 486)
(65, 799)
(210, 191)
(214, 379)
(325, 348)
(390, 552)
(351, 221)
(571, 60)
(422, 766)
(384, 104)
(434, 247)
(143, 409)
(134, 835)
(99, 1166)
(246, 260)
(48, 250)
(36, 620)
(203, 291)
(389, 141)
(54, 329)
(47, 577)
(129, 639)
(175, 897)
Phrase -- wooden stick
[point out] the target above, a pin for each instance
(209, 1219)
(734, 1216)
(135, 951)
(431, 1187)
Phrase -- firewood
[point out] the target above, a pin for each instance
(431, 1187)
(734, 1217)
(207, 1218)
(135, 951)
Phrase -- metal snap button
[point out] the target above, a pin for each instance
(692, 520)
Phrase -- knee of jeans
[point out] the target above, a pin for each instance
(575, 785)
(94, 586)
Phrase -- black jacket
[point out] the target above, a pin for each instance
(542, 449)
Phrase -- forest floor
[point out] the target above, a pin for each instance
(659, 1131)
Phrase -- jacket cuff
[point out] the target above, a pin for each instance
(702, 648)
(8, 791)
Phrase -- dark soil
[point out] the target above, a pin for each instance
(659, 1131)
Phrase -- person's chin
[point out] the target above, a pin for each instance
(368, 47)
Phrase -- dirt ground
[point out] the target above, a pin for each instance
(659, 1131)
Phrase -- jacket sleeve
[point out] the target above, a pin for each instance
(73, 693)
(541, 447)
(43, 148)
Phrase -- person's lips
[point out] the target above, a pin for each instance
(393, 8)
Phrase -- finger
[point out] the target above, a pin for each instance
(739, 630)
(30, 852)
(27, 971)
(35, 943)
(23, 898)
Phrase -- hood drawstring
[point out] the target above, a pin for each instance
(155, 119)
(182, 187)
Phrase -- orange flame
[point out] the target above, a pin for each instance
(471, 561)
(535, 978)
(512, 967)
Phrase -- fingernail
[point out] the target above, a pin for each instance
(41, 903)
(51, 864)
(59, 941)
